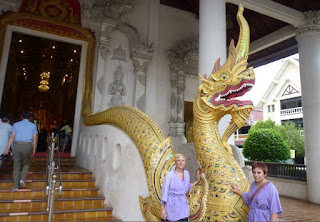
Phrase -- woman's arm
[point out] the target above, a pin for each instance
(9, 144)
(198, 178)
(274, 217)
(235, 189)
(164, 195)
(274, 204)
(163, 212)
(34, 142)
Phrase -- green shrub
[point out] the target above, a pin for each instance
(268, 124)
(291, 134)
(266, 145)
(289, 131)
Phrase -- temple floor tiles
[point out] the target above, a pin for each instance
(299, 210)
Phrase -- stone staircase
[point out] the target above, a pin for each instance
(80, 199)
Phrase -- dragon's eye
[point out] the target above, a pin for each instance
(224, 76)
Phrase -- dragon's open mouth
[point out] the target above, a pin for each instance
(233, 91)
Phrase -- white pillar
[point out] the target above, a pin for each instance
(153, 38)
(212, 42)
(308, 38)
(174, 93)
(212, 34)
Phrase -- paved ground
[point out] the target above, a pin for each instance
(299, 210)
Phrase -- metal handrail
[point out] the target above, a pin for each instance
(53, 172)
(285, 171)
(291, 111)
(51, 197)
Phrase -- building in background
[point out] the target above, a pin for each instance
(282, 100)
(242, 134)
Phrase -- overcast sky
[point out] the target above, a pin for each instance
(264, 76)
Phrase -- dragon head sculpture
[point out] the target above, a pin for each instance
(233, 79)
(218, 92)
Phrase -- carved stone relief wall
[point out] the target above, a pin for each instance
(103, 17)
(97, 10)
(184, 56)
(141, 55)
(12, 5)
(3, 8)
(183, 59)
(118, 77)
(312, 17)
(117, 89)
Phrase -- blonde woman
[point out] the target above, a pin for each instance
(176, 184)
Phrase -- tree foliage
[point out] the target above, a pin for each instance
(266, 145)
(268, 124)
(291, 133)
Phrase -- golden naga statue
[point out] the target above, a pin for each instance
(211, 199)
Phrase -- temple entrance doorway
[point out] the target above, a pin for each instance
(42, 77)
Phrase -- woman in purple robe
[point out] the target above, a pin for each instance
(263, 198)
(176, 184)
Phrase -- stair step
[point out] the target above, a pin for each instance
(30, 184)
(6, 169)
(41, 204)
(57, 198)
(42, 175)
(45, 218)
(108, 218)
(31, 193)
(79, 201)
(101, 212)
(39, 163)
(33, 159)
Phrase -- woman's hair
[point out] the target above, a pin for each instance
(178, 155)
(262, 166)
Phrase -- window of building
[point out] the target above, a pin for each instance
(291, 103)
(244, 130)
(272, 108)
(298, 122)
(268, 108)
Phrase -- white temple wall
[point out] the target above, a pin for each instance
(191, 90)
(170, 33)
(290, 188)
(117, 166)
(108, 151)
(138, 18)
